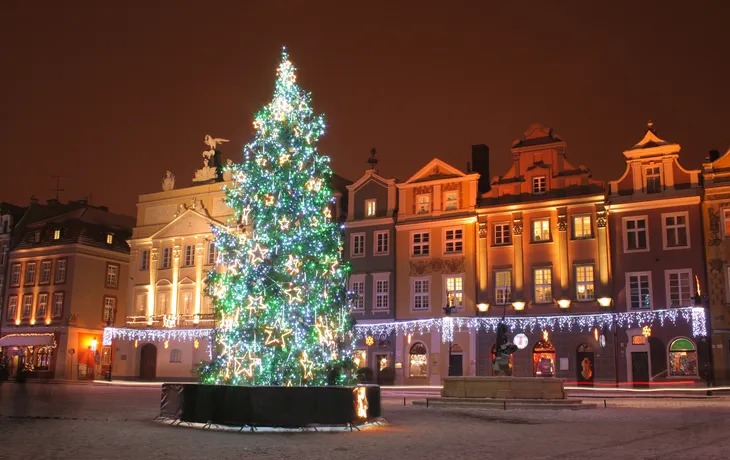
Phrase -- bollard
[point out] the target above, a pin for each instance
(604, 404)
(426, 402)
(404, 401)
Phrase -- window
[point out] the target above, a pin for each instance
(360, 358)
(15, 275)
(382, 243)
(502, 287)
(12, 307)
(189, 260)
(45, 272)
(112, 275)
(109, 238)
(682, 358)
(584, 282)
(541, 230)
(539, 185)
(582, 227)
(60, 271)
(144, 259)
(638, 290)
(679, 287)
(37, 236)
(166, 258)
(676, 233)
(176, 356)
(454, 291)
(382, 291)
(370, 207)
(358, 245)
(27, 306)
(141, 304)
(107, 314)
(3, 253)
(502, 234)
(212, 253)
(43, 358)
(635, 234)
(42, 308)
(163, 303)
(653, 178)
(57, 234)
(543, 285)
(418, 361)
(453, 241)
(451, 200)
(424, 204)
(420, 243)
(57, 304)
(186, 302)
(420, 294)
(30, 273)
(726, 220)
(357, 290)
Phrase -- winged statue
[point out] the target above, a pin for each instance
(212, 142)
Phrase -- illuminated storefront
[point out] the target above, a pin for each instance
(682, 358)
(543, 357)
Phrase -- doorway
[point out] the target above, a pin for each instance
(148, 362)
(585, 368)
(640, 369)
(456, 361)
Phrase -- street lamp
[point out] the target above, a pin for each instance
(448, 310)
(700, 301)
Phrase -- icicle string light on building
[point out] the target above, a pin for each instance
(282, 313)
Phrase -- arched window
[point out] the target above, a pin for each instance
(43, 358)
(176, 356)
(543, 358)
(682, 358)
(418, 361)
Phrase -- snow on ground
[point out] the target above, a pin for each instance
(111, 422)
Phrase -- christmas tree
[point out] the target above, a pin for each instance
(282, 311)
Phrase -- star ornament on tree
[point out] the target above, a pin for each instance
(306, 365)
(292, 265)
(275, 335)
(255, 303)
(257, 254)
(245, 364)
(294, 294)
(246, 211)
(284, 224)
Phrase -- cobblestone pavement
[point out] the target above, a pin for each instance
(46, 421)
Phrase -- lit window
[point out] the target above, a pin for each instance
(357, 290)
(382, 243)
(539, 185)
(144, 262)
(454, 287)
(15, 275)
(502, 234)
(424, 204)
(683, 359)
(109, 238)
(176, 356)
(451, 200)
(60, 271)
(418, 361)
(42, 308)
(638, 290)
(30, 273)
(653, 176)
(370, 207)
(584, 282)
(58, 304)
(543, 285)
(189, 260)
(420, 298)
(212, 253)
(675, 230)
(382, 292)
(43, 358)
(57, 234)
(186, 304)
(358, 245)
(163, 303)
(726, 221)
(166, 258)
(503, 287)
(635, 234)
(420, 243)
(541, 230)
(141, 304)
(679, 287)
(360, 358)
(27, 306)
(45, 272)
(582, 227)
(110, 304)
(12, 307)
(453, 242)
(37, 237)
(112, 275)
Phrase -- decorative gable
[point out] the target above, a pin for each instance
(435, 170)
(189, 222)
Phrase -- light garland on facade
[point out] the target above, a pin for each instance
(564, 323)
(150, 335)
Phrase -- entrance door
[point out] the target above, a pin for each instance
(148, 362)
(585, 368)
(456, 365)
(640, 369)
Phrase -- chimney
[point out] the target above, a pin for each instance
(480, 164)
(714, 155)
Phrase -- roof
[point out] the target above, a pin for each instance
(537, 134)
(649, 140)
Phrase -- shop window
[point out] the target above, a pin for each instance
(543, 357)
(418, 361)
(360, 358)
(43, 358)
(682, 358)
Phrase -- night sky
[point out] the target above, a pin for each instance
(111, 97)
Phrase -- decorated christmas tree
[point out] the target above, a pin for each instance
(279, 290)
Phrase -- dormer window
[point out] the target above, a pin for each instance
(109, 238)
(370, 207)
(451, 200)
(37, 236)
(653, 179)
(57, 234)
(539, 185)
(424, 204)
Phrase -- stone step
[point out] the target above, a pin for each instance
(488, 403)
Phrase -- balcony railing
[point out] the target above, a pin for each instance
(204, 320)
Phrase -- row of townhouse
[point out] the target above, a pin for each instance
(598, 283)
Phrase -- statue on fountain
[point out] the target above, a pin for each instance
(503, 349)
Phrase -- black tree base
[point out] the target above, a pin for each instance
(285, 407)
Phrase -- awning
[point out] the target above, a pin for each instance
(14, 340)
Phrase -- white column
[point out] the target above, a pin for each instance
(175, 277)
(153, 278)
(199, 254)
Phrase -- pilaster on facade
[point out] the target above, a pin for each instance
(199, 255)
(152, 287)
